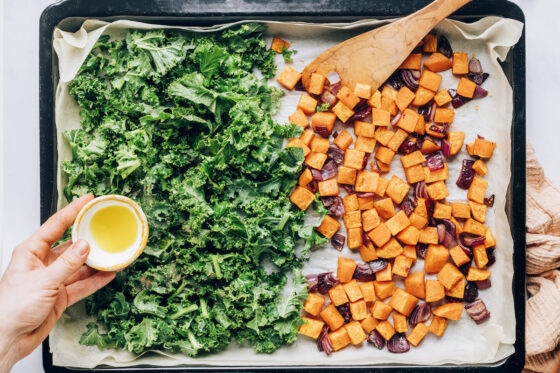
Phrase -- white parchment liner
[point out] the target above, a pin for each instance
(489, 39)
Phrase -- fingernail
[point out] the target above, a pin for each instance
(82, 247)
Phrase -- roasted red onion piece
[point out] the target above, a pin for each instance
(470, 240)
(467, 174)
(449, 226)
(329, 170)
(396, 119)
(317, 175)
(440, 128)
(444, 47)
(409, 145)
(334, 205)
(440, 232)
(421, 250)
(365, 194)
(344, 310)
(299, 86)
(430, 205)
(420, 190)
(475, 66)
(398, 344)
(489, 201)
(327, 97)
(410, 78)
(360, 112)
(335, 87)
(446, 148)
(348, 188)
(337, 241)
(395, 81)
(322, 131)
(491, 256)
(483, 284)
(477, 311)
(478, 78)
(325, 281)
(449, 241)
(312, 281)
(323, 341)
(376, 339)
(456, 99)
(464, 269)
(420, 313)
(426, 111)
(336, 154)
(365, 161)
(435, 161)
(364, 273)
(312, 186)
(378, 265)
(408, 205)
(471, 292)
(479, 92)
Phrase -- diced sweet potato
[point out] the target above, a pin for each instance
(353, 291)
(299, 118)
(306, 136)
(434, 291)
(412, 62)
(354, 159)
(339, 339)
(438, 325)
(423, 96)
(414, 284)
(428, 235)
(409, 235)
(347, 176)
(369, 323)
(389, 92)
(302, 197)
(420, 208)
(466, 87)
(382, 185)
(420, 125)
(412, 159)
(384, 289)
(404, 98)
(314, 304)
(329, 226)
(436, 257)
(375, 100)
(418, 221)
(458, 226)
(480, 256)
(347, 97)
(354, 238)
(401, 326)
(380, 117)
(477, 190)
(417, 334)
(403, 302)
(396, 140)
(323, 120)
(366, 182)
(442, 211)
(384, 154)
(438, 175)
(345, 270)
(480, 168)
(430, 44)
(297, 143)
(449, 275)
(367, 252)
(338, 295)
(414, 174)
(311, 327)
(307, 104)
(385, 208)
(456, 139)
(490, 241)
(437, 190)
(428, 146)
(383, 135)
(355, 332)
(435, 130)
(343, 140)
(364, 129)
(460, 63)
(483, 148)
(319, 145)
(362, 90)
(365, 144)
(473, 227)
(398, 222)
(437, 62)
(430, 80)
(459, 256)
(401, 266)
(278, 45)
(410, 252)
(288, 77)
(332, 317)
(391, 249)
(328, 188)
(365, 203)
(442, 98)
(478, 211)
(476, 274)
(370, 219)
(389, 104)
(461, 210)
(451, 311)
(380, 310)
(342, 111)
(385, 329)
(444, 115)
(408, 120)
(397, 189)
(368, 291)
(316, 84)
(350, 201)
(458, 290)
(385, 274)
(352, 219)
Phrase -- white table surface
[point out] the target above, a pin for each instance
(19, 216)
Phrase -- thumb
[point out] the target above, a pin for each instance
(69, 262)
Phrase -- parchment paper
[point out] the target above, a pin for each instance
(464, 341)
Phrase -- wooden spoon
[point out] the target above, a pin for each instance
(372, 57)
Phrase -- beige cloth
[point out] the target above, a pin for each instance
(542, 331)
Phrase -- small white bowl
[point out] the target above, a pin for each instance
(98, 258)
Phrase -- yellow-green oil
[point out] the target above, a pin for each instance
(114, 228)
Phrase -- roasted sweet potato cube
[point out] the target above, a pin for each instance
(306, 136)
(311, 327)
(358, 309)
(350, 201)
(435, 130)
(412, 159)
(470, 149)
(460, 63)
(414, 284)
(409, 235)
(430, 80)
(305, 178)
(297, 143)
(369, 323)
(323, 120)
(423, 96)
(442, 211)
(473, 227)
(380, 117)
(429, 146)
(364, 129)
(288, 77)
(278, 45)
(418, 221)
(328, 188)
(408, 120)
(438, 175)
(396, 140)
(302, 197)
(490, 241)
(461, 210)
(451, 311)
(383, 135)
(362, 90)
(368, 291)
(477, 190)
(391, 249)
(436, 257)
(428, 235)
(480, 168)
(383, 289)
(476, 274)
(444, 115)
(417, 334)
(414, 174)
(307, 104)
(404, 98)
(385, 329)
(354, 159)
(459, 256)
(381, 167)
(343, 140)
(382, 184)
(380, 310)
(329, 226)
(420, 125)
(389, 92)
(400, 323)
(437, 190)
(384, 154)
(403, 302)
(370, 219)
(353, 291)
(430, 43)
(420, 208)
(397, 189)
(483, 148)
(365, 144)
(385, 274)
(365, 203)
(438, 325)
(316, 84)
(412, 62)
(375, 100)
(410, 252)
(458, 226)
(367, 252)
(320, 145)
(314, 304)
(434, 291)
(480, 256)
(345, 269)
(331, 316)
(449, 275)
(466, 87)
(355, 238)
(338, 295)
(397, 223)
(339, 339)
(478, 211)
(355, 332)
(347, 97)
(401, 265)
(456, 139)
(442, 98)
(299, 118)
(366, 182)
(437, 62)
(347, 176)
(352, 219)
(389, 104)
(315, 160)
(342, 111)
(385, 208)
(458, 290)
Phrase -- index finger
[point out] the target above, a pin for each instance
(55, 226)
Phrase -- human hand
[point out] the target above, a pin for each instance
(41, 282)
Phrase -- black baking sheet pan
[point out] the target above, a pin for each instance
(70, 14)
